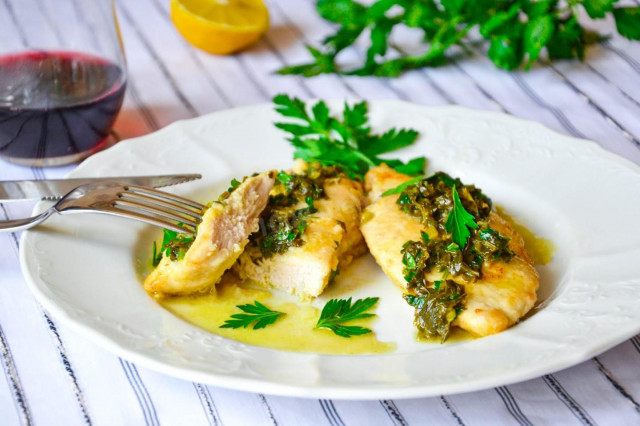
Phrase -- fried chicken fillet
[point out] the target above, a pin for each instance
(331, 240)
(502, 295)
(221, 238)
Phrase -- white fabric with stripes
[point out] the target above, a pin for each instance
(53, 376)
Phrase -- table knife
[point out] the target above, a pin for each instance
(56, 188)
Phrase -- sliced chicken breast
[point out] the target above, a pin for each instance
(331, 240)
(221, 238)
(502, 295)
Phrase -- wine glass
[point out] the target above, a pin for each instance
(62, 79)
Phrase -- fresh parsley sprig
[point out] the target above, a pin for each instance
(517, 31)
(257, 314)
(338, 311)
(398, 189)
(459, 221)
(347, 142)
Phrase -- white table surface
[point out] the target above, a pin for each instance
(51, 376)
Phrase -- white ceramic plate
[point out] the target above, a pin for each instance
(85, 268)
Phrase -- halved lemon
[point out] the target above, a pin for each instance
(220, 26)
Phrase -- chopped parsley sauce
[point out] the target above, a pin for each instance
(431, 200)
(284, 220)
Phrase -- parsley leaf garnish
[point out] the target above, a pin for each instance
(516, 30)
(458, 221)
(156, 256)
(398, 189)
(338, 311)
(234, 184)
(257, 314)
(173, 244)
(348, 142)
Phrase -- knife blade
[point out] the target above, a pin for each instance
(54, 189)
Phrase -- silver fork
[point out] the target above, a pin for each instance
(135, 202)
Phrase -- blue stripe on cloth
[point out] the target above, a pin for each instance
(481, 89)
(616, 385)
(328, 415)
(267, 409)
(576, 409)
(189, 49)
(451, 411)
(331, 413)
(208, 405)
(62, 352)
(13, 379)
(39, 175)
(394, 413)
(512, 406)
(623, 55)
(626, 133)
(332, 408)
(613, 85)
(557, 113)
(144, 400)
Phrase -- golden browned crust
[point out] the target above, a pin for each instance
(506, 292)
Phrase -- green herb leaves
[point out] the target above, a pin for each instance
(517, 31)
(233, 185)
(458, 240)
(398, 189)
(173, 244)
(628, 22)
(436, 308)
(459, 221)
(257, 314)
(282, 225)
(334, 313)
(338, 311)
(347, 143)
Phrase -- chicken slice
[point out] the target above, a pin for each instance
(332, 239)
(221, 238)
(504, 293)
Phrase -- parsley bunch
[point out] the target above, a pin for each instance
(347, 143)
(517, 31)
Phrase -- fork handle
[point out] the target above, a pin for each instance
(20, 224)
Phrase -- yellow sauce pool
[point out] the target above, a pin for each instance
(456, 335)
(541, 250)
(293, 331)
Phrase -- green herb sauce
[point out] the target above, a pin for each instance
(436, 308)
(282, 225)
(431, 201)
(173, 244)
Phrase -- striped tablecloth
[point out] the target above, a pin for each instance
(53, 376)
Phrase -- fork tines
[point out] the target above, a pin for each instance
(167, 210)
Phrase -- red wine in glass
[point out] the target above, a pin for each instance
(56, 106)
